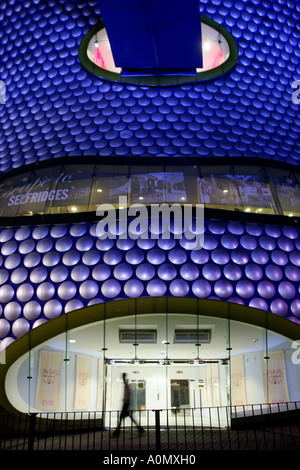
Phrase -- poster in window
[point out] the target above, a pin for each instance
(175, 190)
(118, 186)
(289, 195)
(146, 188)
(28, 196)
(219, 190)
(254, 192)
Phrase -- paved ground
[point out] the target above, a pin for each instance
(169, 440)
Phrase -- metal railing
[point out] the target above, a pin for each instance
(249, 427)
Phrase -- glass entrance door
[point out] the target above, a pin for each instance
(180, 394)
(138, 395)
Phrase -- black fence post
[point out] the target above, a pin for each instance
(157, 429)
(31, 430)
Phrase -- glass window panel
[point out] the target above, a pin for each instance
(180, 396)
(42, 190)
(110, 182)
(280, 374)
(292, 364)
(254, 190)
(191, 174)
(175, 188)
(71, 363)
(13, 195)
(146, 187)
(73, 190)
(217, 188)
(288, 191)
(83, 188)
(248, 349)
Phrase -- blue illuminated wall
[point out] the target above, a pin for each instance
(54, 108)
(48, 271)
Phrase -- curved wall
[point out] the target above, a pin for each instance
(47, 271)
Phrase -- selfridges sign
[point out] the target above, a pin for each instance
(39, 191)
(67, 189)
(34, 195)
(38, 196)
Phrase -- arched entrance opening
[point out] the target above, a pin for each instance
(180, 355)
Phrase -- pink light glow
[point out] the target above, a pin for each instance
(213, 56)
(219, 60)
(97, 58)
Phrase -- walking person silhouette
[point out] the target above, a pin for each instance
(125, 409)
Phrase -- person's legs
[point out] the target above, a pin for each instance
(140, 428)
(123, 415)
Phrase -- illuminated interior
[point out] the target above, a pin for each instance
(99, 52)
(165, 368)
(215, 50)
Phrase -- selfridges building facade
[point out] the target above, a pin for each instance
(204, 326)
